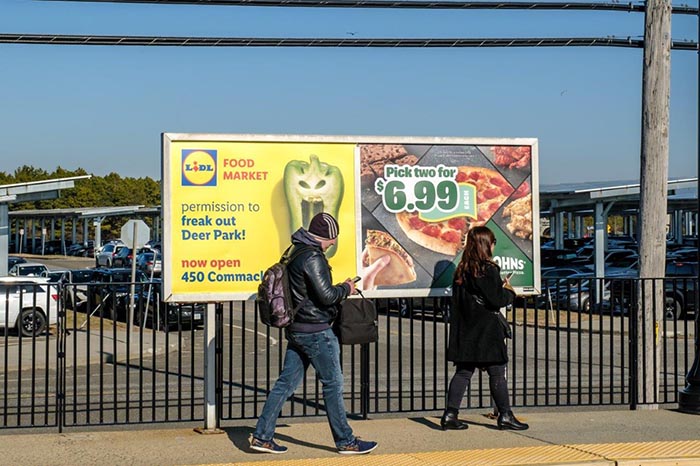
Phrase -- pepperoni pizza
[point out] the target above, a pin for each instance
(448, 236)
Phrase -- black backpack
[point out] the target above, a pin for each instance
(274, 298)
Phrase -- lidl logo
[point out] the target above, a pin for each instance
(198, 167)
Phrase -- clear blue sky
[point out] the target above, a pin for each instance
(103, 108)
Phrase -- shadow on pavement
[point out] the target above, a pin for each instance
(240, 437)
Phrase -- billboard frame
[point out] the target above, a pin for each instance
(168, 139)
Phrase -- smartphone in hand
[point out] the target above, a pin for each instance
(357, 279)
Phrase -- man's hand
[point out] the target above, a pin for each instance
(351, 283)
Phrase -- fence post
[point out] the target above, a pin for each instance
(219, 350)
(633, 346)
(61, 331)
(210, 411)
(364, 380)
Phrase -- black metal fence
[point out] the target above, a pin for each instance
(576, 344)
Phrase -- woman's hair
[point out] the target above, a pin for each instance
(477, 253)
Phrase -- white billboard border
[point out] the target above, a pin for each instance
(168, 138)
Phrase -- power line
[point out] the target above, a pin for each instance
(166, 41)
(409, 4)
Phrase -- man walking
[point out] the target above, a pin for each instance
(310, 339)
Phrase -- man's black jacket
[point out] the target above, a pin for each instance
(310, 276)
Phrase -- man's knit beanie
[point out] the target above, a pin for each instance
(324, 226)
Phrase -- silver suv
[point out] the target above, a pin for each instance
(105, 258)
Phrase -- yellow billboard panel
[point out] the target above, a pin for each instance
(231, 206)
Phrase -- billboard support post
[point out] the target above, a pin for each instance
(210, 414)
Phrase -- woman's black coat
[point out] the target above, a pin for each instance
(476, 335)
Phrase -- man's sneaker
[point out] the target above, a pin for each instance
(268, 446)
(357, 447)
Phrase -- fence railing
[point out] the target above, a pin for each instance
(76, 360)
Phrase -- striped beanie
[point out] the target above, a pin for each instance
(324, 226)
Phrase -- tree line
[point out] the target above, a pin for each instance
(98, 191)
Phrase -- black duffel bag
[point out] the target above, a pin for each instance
(357, 322)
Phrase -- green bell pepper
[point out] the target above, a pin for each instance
(310, 188)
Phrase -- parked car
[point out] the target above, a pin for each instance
(188, 315)
(683, 254)
(586, 256)
(76, 283)
(74, 249)
(554, 273)
(28, 305)
(55, 246)
(438, 306)
(105, 258)
(575, 243)
(680, 288)
(82, 275)
(81, 250)
(624, 267)
(56, 276)
(150, 262)
(155, 245)
(111, 290)
(622, 242)
(574, 294)
(28, 269)
(556, 257)
(123, 257)
(620, 257)
(12, 260)
(679, 291)
(552, 279)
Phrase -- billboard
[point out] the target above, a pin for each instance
(231, 203)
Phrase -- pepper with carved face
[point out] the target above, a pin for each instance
(312, 187)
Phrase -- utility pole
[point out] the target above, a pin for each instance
(656, 90)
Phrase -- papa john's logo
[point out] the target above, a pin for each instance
(198, 167)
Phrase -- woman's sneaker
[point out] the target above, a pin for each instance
(267, 446)
(357, 447)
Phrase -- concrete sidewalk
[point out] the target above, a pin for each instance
(564, 437)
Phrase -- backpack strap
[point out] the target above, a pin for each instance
(286, 259)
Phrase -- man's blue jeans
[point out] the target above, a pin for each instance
(322, 351)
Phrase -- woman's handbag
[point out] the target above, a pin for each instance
(507, 331)
(504, 323)
(357, 322)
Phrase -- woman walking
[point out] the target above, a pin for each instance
(478, 330)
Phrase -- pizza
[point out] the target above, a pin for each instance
(492, 190)
(400, 268)
(448, 236)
